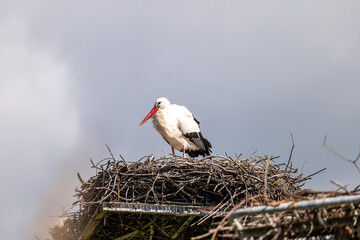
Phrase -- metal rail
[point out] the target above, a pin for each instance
(297, 205)
(155, 208)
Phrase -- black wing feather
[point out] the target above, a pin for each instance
(198, 139)
(198, 123)
(201, 142)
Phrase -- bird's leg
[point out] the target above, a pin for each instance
(172, 148)
(183, 151)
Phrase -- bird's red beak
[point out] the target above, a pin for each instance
(150, 114)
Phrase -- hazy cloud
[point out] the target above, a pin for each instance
(39, 120)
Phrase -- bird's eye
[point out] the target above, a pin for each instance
(159, 103)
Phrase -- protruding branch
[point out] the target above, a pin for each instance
(342, 157)
(291, 151)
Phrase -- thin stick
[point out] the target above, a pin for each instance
(291, 152)
(340, 156)
(341, 186)
(265, 180)
(110, 152)
(127, 166)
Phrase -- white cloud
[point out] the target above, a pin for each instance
(39, 118)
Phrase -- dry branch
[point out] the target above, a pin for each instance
(342, 157)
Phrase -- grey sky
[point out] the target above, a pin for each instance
(75, 76)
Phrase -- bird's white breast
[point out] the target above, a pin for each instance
(167, 122)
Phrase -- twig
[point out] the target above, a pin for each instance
(309, 176)
(342, 157)
(79, 177)
(265, 180)
(341, 186)
(291, 151)
(110, 152)
(127, 166)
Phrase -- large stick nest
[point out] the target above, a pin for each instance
(212, 181)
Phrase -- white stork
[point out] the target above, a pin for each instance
(179, 128)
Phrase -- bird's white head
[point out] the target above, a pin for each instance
(160, 103)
